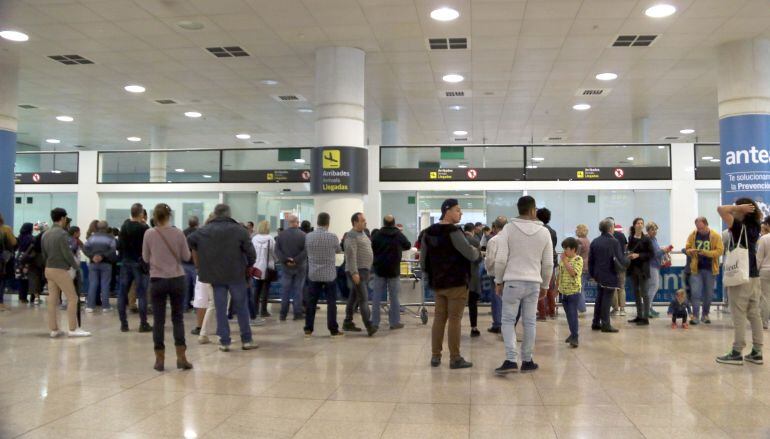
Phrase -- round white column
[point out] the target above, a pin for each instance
(339, 78)
(158, 159)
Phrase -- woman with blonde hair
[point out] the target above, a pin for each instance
(581, 231)
(264, 245)
(656, 263)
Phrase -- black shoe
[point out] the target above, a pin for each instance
(145, 327)
(574, 342)
(596, 327)
(643, 322)
(569, 339)
(124, 327)
(707, 321)
(475, 333)
(265, 314)
(506, 368)
(299, 317)
(196, 331)
(634, 320)
(435, 361)
(693, 322)
(494, 330)
(732, 357)
(337, 334)
(371, 330)
(351, 327)
(609, 329)
(460, 363)
(528, 366)
(754, 357)
(282, 318)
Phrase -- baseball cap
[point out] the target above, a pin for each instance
(448, 204)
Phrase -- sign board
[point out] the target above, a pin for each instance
(452, 174)
(339, 170)
(46, 177)
(745, 158)
(593, 174)
(266, 176)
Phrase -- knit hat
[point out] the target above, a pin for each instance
(448, 204)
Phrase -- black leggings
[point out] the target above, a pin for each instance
(679, 315)
(473, 307)
(639, 285)
(261, 293)
(173, 289)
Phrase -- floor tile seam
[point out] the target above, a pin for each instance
(395, 405)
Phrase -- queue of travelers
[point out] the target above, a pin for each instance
(224, 269)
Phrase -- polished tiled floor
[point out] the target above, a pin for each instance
(649, 382)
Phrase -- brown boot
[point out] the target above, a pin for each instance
(160, 357)
(181, 358)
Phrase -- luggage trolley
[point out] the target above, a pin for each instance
(412, 289)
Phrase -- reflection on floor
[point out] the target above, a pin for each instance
(651, 382)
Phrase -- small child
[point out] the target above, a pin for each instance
(570, 286)
(678, 308)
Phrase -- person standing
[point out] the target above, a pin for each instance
(290, 251)
(100, 249)
(164, 248)
(704, 247)
(264, 245)
(523, 271)
(639, 270)
(474, 286)
(606, 262)
(581, 231)
(743, 219)
(223, 252)
(358, 263)
(569, 279)
(133, 268)
(7, 245)
(445, 258)
(619, 297)
(24, 243)
(763, 262)
(60, 270)
(387, 246)
(322, 247)
(189, 267)
(489, 264)
(546, 306)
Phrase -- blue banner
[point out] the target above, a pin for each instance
(745, 158)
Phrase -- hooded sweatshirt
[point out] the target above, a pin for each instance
(524, 253)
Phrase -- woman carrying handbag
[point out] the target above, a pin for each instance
(264, 245)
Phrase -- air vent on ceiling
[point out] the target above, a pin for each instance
(27, 106)
(71, 60)
(634, 40)
(80, 146)
(227, 52)
(289, 98)
(447, 43)
(554, 139)
(455, 93)
(593, 92)
(165, 101)
(460, 139)
(671, 138)
(258, 142)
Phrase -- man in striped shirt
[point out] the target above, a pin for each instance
(322, 246)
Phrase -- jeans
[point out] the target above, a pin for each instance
(604, 299)
(526, 294)
(173, 289)
(744, 306)
(571, 302)
(359, 295)
(653, 283)
(496, 303)
(702, 286)
(392, 286)
(190, 274)
(586, 278)
(291, 289)
(679, 315)
(315, 289)
(450, 304)
(2, 286)
(546, 307)
(639, 285)
(99, 276)
(130, 272)
(239, 299)
(261, 294)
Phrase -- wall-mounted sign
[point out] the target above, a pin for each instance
(452, 174)
(46, 177)
(266, 176)
(589, 174)
(339, 170)
(745, 161)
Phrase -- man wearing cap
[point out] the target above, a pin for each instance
(445, 257)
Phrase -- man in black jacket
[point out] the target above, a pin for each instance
(606, 255)
(387, 245)
(546, 306)
(445, 257)
(130, 251)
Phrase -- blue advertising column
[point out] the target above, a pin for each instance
(744, 121)
(8, 89)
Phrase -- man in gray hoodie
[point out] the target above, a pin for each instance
(523, 269)
(358, 264)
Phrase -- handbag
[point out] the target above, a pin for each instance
(271, 274)
(168, 246)
(736, 265)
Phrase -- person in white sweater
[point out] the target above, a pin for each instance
(523, 269)
(489, 264)
(763, 262)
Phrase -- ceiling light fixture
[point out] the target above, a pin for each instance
(54, 141)
(538, 159)
(243, 136)
(193, 114)
(133, 88)
(660, 11)
(453, 78)
(206, 176)
(581, 107)
(606, 76)
(460, 133)
(444, 14)
(269, 82)
(55, 171)
(65, 118)
(661, 147)
(531, 166)
(456, 107)
(180, 170)
(630, 159)
(462, 166)
(14, 35)
(300, 161)
(305, 110)
(687, 131)
(708, 157)
(134, 139)
(190, 25)
(714, 160)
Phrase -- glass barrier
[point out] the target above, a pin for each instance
(116, 207)
(280, 165)
(36, 207)
(46, 168)
(599, 162)
(177, 166)
(707, 166)
(451, 163)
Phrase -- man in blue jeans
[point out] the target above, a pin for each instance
(290, 252)
(222, 251)
(101, 251)
(130, 249)
(523, 270)
(489, 264)
(387, 245)
(188, 266)
(322, 247)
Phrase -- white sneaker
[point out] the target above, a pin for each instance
(106, 310)
(78, 333)
(249, 345)
(56, 334)
(90, 310)
(203, 339)
(224, 347)
(259, 321)
(622, 312)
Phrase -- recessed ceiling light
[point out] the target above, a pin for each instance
(531, 166)
(708, 157)
(134, 139)
(630, 159)
(538, 159)
(687, 131)
(206, 176)
(456, 107)
(55, 171)
(269, 82)
(299, 161)
(581, 107)
(305, 110)
(193, 114)
(444, 14)
(462, 166)
(714, 160)
(14, 35)
(453, 78)
(65, 118)
(661, 147)
(53, 141)
(660, 11)
(243, 136)
(190, 25)
(133, 88)
(606, 76)
(460, 133)
(179, 170)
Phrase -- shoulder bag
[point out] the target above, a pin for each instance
(736, 265)
(271, 275)
(168, 246)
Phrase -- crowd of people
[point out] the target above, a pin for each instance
(224, 270)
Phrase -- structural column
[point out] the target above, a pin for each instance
(9, 71)
(157, 158)
(744, 120)
(339, 178)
